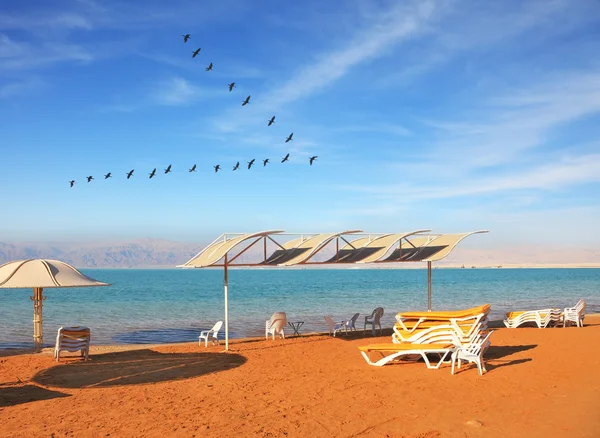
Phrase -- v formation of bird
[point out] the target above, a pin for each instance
(245, 102)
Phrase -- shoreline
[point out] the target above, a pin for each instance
(112, 348)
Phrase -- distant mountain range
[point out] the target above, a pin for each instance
(157, 253)
(135, 254)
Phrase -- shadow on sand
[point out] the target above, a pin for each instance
(495, 354)
(135, 367)
(15, 395)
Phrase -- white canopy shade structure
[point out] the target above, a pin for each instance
(355, 247)
(39, 274)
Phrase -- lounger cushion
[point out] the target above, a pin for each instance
(447, 314)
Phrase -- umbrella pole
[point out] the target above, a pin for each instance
(38, 331)
(429, 286)
(226, 287)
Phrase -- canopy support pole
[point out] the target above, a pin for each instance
(226, 287)
(429, 286)
(38, 330)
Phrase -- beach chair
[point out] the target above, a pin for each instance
(73, 339)
(575, 314)
(374, 319)
(542, 318)
(213, 332)
(394, 351)
(472, 352)
(350, 324)
(275, 325)
(333, 327)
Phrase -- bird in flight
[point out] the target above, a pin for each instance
(168, 169)
(152, 173)
(130, 174)
(186, 37)
(271, 121)
(265, 162)
(237, 165)
(193, 169)
(250, 163)
(72, 182)
(289, 138)
(247, 101)
(89, 178)
(217, 167)
(231, 86)
(287, 157)
(209, 68)
(195, 52)
(312, 159)
(108, 175)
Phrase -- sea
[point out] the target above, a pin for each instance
(153, 306)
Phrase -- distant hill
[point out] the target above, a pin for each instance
(133, 254)
(157, 253)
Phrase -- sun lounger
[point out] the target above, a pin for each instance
(446, 314)
(542, 318)
(275, 325)
(463, 324)
(73, 339)
(472, 352)
(394, 351)
(575, 314)
(213, 332)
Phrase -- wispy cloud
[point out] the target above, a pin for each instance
(21, 87)
(172, 91)
(20, 56)
(176, 91)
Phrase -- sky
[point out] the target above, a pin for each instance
(447, 115)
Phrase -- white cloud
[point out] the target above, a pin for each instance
(176, 91)
(21, 87)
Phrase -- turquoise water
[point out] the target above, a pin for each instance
(174, 305)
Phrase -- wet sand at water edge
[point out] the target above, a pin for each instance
(541, 383)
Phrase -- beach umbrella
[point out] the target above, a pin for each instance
(39, 274)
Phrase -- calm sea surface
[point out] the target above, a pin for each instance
(155, 306)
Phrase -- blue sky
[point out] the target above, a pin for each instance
(450, 115)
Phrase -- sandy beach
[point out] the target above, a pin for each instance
(540, 383)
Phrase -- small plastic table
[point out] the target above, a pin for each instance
(296, 326)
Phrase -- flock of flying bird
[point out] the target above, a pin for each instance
(246, 101)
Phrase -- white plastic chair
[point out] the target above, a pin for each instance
(275, 325)
(374, 319)
(214, 332)
(73, 339)
(472, 352)
(575, 314)
(350, 324)
(333, 327)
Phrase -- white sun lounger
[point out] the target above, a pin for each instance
(395, 351)
(542, 318)
(73, 339)
(213, 332)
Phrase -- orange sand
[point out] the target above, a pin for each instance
(541, 383)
